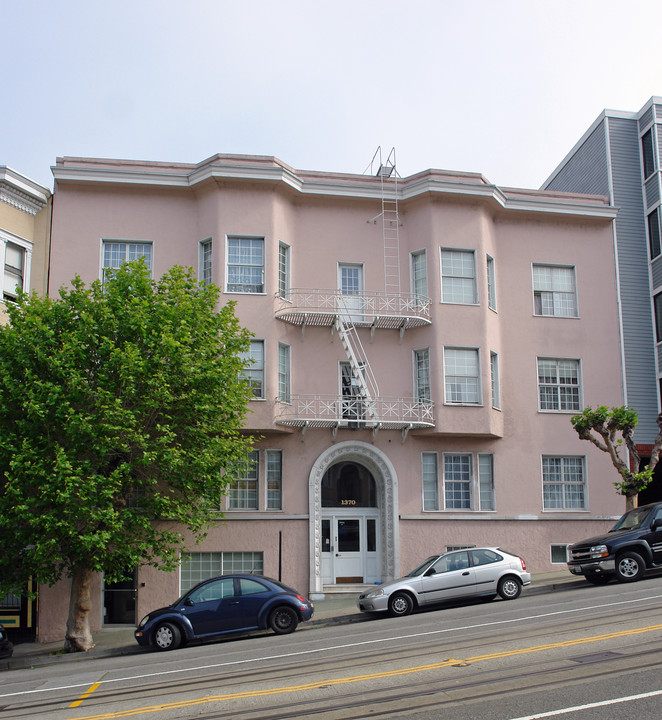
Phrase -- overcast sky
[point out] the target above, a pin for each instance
(501, 87)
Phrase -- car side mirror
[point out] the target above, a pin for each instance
(188, 602)
(430, 571)
(657, 523)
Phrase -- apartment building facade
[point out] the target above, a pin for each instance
(420, 344)
(25, 212)
(620, 156)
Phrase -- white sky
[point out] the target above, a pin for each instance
(501, 87)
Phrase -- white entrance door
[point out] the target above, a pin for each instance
(350, 284)
(350, 549)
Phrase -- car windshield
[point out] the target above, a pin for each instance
(422, 567)
(632, 520)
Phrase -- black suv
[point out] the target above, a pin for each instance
(632, 546)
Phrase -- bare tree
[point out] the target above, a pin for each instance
(611, 428)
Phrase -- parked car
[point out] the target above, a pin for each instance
(225, 605)
(473, 572)
(631, 547)
(6, 646)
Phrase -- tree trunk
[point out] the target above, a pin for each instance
(630, 502)
(79, 637)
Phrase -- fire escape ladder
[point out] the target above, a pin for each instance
(390, 224)
(359, 364)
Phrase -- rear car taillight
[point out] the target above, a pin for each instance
(523, 564)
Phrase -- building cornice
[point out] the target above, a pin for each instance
(231, 168)
(22, 193)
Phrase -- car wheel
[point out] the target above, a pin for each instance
(597, 578)
(167, 637)
(283, 620)
(400, 604)
(509, 587)
(629, 567)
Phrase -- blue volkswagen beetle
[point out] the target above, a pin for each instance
(225, 605)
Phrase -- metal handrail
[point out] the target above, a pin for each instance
(337, 409)
(366, 305)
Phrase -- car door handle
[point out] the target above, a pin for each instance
(235, 602)
(465, 573)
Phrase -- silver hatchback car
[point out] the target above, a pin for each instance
(473, 572)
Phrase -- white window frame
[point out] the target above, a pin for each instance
(249, 288)
(448, 481)
(495, 380)
(486, 495)
(422, 388)
(7, 238)
(195, 566)
(456, 278)
(273, 483)
(244, 491)
(129, 251)
(284, 270)
(491, 284)
(479, 483)
(255, 372)
(565, 484)
(205, 261)
(561, 389)
(479, 391)
(284, 373)
(418, 266)
(550, 297)
(430, 480)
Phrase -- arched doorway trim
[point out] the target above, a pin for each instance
(386, 480)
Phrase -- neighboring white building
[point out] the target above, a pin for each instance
(420, 346)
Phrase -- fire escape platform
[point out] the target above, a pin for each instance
(332, 411)
(314, 307)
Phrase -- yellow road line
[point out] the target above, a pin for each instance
(86, 694)
(361, 678)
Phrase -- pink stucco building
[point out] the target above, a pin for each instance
(420, 345)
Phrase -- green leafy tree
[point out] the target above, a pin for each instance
(609, 429)
(121, 408)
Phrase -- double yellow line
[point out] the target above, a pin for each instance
(356, 678)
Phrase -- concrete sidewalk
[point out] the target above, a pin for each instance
(333, 610)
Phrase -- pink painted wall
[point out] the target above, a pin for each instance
(331, 227)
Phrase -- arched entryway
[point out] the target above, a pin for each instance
(353, 516)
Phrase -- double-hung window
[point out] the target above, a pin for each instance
(205, 262)
(245, 265)
(274, 479)
(462, 490)
(254, 371)
(422, 374)
(284, 271)
(559, 387)
(491, 284)
(494, 379)
(657, 304)
(554, 291)
(461, 376)
(243, 493)
(419, 274)
(430, 481)
(15, 274)
(283, 373)
(458, 277)
(564, 483)
(458, 481)
(116, 253)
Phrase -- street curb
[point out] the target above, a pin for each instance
(26, 662)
